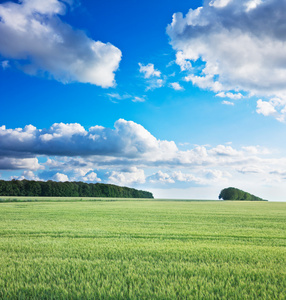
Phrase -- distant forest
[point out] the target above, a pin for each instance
(67, 189)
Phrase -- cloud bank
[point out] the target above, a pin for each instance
(123, 153)
(126, 140)
(130, 155)
(239, 45)
(33, 35)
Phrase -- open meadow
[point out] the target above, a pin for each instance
(142, 250)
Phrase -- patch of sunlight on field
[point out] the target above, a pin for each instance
(142, 250)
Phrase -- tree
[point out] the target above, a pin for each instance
(232, 193)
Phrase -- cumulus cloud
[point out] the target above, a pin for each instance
(121, 155)
(224, 151)
(127, 144)
(152, 76)
(275, 107)
(28, 175)
(91, 177)
(128, 176)
(238, 45)
(128, 139)
(197, 178)
(160, 177)
(183, 177)
(32, 34)
(60, 177)
(14, 163)
(216, 175)
(265, 108)
(176, 86)
(149, 70)
(255, 150)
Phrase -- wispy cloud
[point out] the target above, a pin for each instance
(233, 96)
(176, 86)
(138, 99)
(153, 77)
(149, 70)
(5, 64)
(227, 103)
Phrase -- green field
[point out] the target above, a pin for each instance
(142, 250)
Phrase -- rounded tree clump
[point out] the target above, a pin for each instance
(232, 193)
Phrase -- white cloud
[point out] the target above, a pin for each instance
(128, 176)
(265, 108)
(176, 86)
(229, 95)
(215, 175)
(127, 151)
(149, 71)
(129, 144)
(256, 150)
(198, 177)
(32, 33)
(138, 99)
(238, 45)
(224, 151)
(91, 177)
(5, 64)
(279, 174)
(275, 107)
(152, 76)
(160, 177)
(205, 82)
(227, 103)
(251, 170)
(184, 144)
(183, 177)
(14, 163)
(252, 4)
(128, 139)
(219, 3)
(62, 131)
(183, 61)
(28, 175)
(118, 96)
(115, 96)
(60, 177)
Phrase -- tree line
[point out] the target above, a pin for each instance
(67, 189)
(232, 193)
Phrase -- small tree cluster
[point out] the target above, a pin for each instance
(232, 193)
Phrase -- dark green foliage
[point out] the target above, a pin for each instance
(68, 189)
(232, 193)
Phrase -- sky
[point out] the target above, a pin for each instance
(180, 98)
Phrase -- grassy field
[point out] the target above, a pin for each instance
(5, 199)
(142, 250)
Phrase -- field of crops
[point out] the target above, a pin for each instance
(142, 250)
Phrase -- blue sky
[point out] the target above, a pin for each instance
(182, 98)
